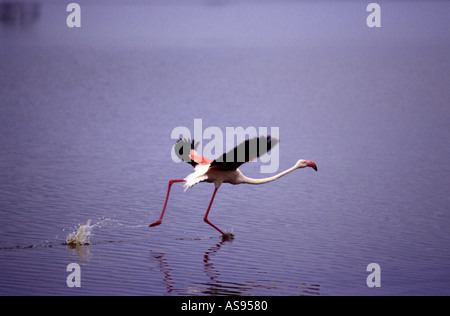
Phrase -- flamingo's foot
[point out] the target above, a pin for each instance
(227, 237)
(155, 224)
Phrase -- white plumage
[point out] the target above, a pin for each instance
(197, 176)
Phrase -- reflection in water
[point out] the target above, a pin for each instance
(19, 13)
(215, 286)
(163, 266)
(82, 252)
(208, 266)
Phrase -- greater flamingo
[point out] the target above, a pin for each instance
(225, 169)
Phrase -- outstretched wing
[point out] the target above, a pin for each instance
(186, 150)
(247, 151)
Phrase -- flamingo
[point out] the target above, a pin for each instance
(225, 169)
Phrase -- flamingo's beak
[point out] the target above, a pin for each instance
(311, 164)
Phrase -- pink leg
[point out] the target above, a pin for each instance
(165, 204)
(225, 236)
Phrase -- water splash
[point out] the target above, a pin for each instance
(80, 237)
(83, 233)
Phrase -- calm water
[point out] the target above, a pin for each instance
(86, 117)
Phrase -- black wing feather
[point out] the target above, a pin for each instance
(183, 149)
(247, 151)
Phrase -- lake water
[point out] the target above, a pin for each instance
(86, 117)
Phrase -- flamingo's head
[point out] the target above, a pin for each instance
(306, 163)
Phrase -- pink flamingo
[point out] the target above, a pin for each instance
(225, 169)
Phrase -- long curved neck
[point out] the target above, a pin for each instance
(270, 179)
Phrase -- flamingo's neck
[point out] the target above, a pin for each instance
(270, 179)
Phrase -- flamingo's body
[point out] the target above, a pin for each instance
(225, 169)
